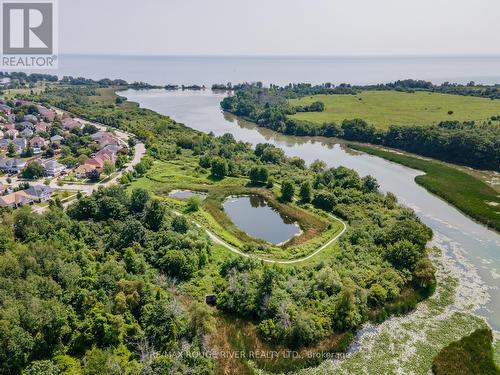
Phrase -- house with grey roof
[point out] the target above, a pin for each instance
(4, 143)
(12, 165)
(20, 144)
(27, 132)
(31, 118)
(40, 193)
(26, 125)
(53, 168)
(57, 138)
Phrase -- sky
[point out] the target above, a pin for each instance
(280, 27)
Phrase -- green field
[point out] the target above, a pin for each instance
(384, 108)
(466, 192)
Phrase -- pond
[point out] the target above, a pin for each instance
(255, 217)
(185, 194)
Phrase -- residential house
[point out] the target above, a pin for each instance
(30, 118)
(1, 134)
(27, 132)
(57, 139)
(41, 127)
(11, 133)
(108, 140)
(106, 154)
(69, 123)
(16, 199)
(98, 135)
(4, 143)
(97, 162)
(37, 143)
(40, 193)
(26, 125)
(104, 139)
(82, 170)
(12, 165)
(116, 149)
(9, 126)
(47, 114)
(53, 168)
(20, 144)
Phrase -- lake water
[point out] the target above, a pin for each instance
(470, 245)
(160, 70)
(254, 216)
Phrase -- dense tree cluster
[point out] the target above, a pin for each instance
(80, 292)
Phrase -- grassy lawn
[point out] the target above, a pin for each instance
(384, 108)
(107, 95)
(14, 93)
(466, 192)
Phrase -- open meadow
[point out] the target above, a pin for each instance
(385, 108)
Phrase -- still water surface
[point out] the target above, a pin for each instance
(458, 235)
(255, 217)
(185, 194)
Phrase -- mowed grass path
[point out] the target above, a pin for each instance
(384, 108)
(466, 192)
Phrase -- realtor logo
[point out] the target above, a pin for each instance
(28, 34)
